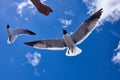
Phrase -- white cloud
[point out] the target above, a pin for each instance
(111, 9)
(115, 34)
(116, 58)
(33, 59)
(69, 12)
(98, 29)
(65, 22)
(36, 72)
(22, 5)
(26, 19)
(118, 47)
(42, 1)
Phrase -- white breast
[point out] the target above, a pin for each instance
(68, 41)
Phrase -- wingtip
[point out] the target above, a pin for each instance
(98, 13)
(28, 43)
(33, 33)
(100, 10)
(51, 10)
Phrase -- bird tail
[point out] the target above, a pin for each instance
(73, 52)
(11, 39)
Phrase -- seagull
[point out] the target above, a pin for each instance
(42, 8)
(69, 41)
(13, 34)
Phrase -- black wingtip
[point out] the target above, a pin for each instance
(8, 26)
(31, 33)
(51, 10)
(100, 10)
(28, 43)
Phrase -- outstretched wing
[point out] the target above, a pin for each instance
(42, 8)
(51, 44)
(86, 28)
(22, 31)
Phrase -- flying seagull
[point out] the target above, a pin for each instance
(69, 41)
(13, 34)
(42, 8)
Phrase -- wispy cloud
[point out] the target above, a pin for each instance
(36, 72)
(111, 9)
(43, 1)
(69, 12)
(22, 5)
(65, 22)
(116, 58)
(33, 59)
(115, 34)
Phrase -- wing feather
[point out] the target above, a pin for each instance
(22, 31)
(85, 28)
(52, 44)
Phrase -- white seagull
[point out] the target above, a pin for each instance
(13, 34)
(69, 41)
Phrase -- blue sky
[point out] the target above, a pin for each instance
(100, 57)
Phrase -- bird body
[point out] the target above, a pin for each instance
(69, 41)
(72, 50)
(13, 34)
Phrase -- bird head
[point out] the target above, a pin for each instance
(64, 31)
(8, 26)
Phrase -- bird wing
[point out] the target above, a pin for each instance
(51, 44)
(86, 28)
(22, 31)
(42, 8)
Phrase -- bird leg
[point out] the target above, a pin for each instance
(68, 50)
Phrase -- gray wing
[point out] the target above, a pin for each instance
(51, 44)
(86, 28)
(22, 31)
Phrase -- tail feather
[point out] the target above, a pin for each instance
(11, 39)
(75, 52)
